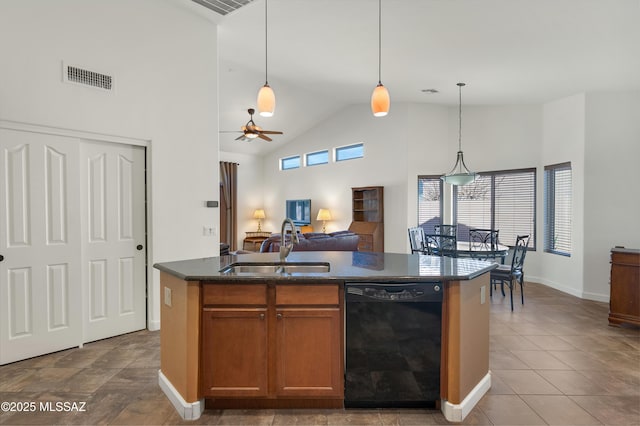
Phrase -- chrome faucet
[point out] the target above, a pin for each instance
(284, 248)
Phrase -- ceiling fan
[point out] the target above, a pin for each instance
(252, 131)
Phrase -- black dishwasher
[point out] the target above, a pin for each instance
(393, 333)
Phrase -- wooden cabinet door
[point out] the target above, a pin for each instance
(308, 352)
(234, 352)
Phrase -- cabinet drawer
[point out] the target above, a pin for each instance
(307, 295)
(234, 294)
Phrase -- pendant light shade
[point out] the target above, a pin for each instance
(460, 174)
(266, 98)
(266, 101)
(380, 100)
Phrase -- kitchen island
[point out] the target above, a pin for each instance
(237, 332)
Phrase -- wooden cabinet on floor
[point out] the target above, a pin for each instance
(624, 301)
(271, 341)
(368, 217)
(308, 339)
(234, 341)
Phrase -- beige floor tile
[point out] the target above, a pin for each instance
(504, 360)
(611, 410)
(551, 343)
(509, 410)
(578, 360)
(540, 360)
(526, 382)
(572, 382)
(559, 410)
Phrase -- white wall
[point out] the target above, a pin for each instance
(329, 185)
(163, 57)
(564, 124)
(612, 184)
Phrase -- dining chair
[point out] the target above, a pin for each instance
(417, 240)
(451, 230)
(513, 273)
(483, 243)
(441, 245)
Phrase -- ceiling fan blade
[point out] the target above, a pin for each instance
(266, 138)
(242, 137)
(270, 132)
(230, 131)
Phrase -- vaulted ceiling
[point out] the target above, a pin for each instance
(323, 55)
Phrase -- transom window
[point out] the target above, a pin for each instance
(557, 209)
(289, 163)
(318, 157)
(350, 152)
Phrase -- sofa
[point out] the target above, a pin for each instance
(315, 241)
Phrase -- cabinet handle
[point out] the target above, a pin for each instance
(261, 316)
(279, 316)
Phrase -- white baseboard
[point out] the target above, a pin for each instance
(598, 297)
(187, 410)
(153, 325)
(457, 412)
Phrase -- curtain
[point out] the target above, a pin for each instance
(229, 190)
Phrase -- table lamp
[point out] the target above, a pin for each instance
(259, 214)
(324, 215)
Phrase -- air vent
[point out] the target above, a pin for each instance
(223, 6)
(77, 75)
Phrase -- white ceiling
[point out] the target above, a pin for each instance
(323, 55)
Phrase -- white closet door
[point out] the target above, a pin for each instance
(40, 292)
(113, 239)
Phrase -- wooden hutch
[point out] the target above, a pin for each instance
(368, 217)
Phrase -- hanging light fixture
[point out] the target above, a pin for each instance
(460, 174)
(266, 97)
(380, 97)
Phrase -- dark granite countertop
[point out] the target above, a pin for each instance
(344, 266)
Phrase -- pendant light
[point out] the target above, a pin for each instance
(460, 174)
(380, 97)
(266, 97)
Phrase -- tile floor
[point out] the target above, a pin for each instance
(554, 361)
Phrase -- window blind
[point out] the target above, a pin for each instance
(429, 202)
(502, 200)
(558, 209)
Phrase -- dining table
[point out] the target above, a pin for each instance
(466, 249)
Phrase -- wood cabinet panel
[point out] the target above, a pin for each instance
(234, 352)
(237, 294)
(308, 359)
(307, 295)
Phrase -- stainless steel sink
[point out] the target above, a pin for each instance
(276, 268)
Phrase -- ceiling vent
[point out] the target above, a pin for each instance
(223, 7)
(77, 75)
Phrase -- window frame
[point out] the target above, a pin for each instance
(309, 154)
(493, 174)
(338, 149)
(550, 213)
(283, 159)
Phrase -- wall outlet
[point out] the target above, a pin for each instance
(483, 294)
(167, 296)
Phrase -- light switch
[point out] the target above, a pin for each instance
(483, 294)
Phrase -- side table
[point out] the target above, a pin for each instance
(253, 240)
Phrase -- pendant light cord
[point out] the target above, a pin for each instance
(460, 116)
(379, 41)
(266, 44)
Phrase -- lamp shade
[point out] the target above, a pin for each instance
(380, 101)
(266, 101)
(259, 214)
(324, 214)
